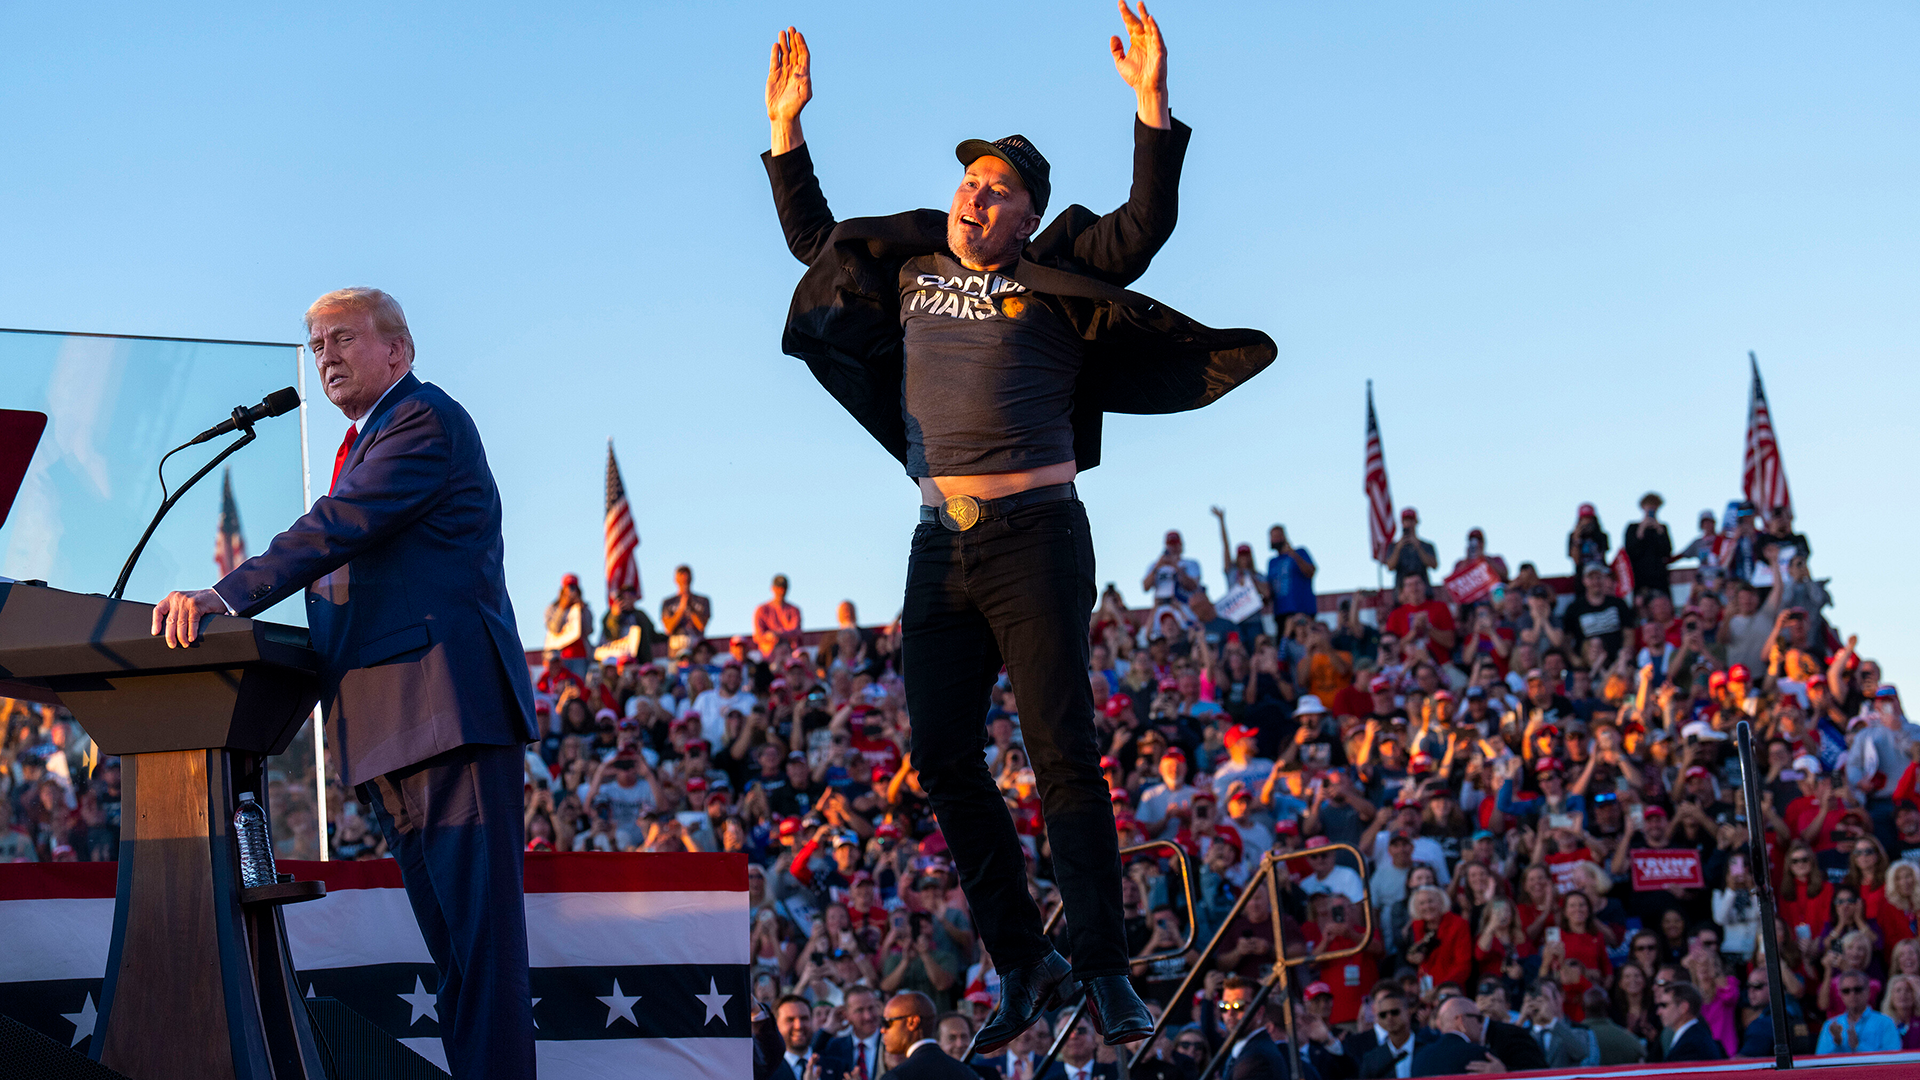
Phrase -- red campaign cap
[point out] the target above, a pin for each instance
(1739, 673)
(1286, 827)
(1173, 537)
(1247, 548)
(696, 784)
(571, 579)
(718, 795)
(1380, 684)
(1443, 695)
(1231, 838)
(1548, 764)
(1109, 763)
(1716, 680)
(860, 877)
(1316, 989)
(1203, 793)
(1696, 771)
(704, 745)
(1586, 510)
(1117, 704)
(1319, 841)
(1119, 797)
(1475, 531)
(1238, 732)
(1174, 752)
(1410, 512)
(1654, 811)
(1169, 683)
(789, 826)
(538, 843)
(887, 830)
(1420, 763)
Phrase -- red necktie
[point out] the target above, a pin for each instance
(340, 455)
(860, 1060)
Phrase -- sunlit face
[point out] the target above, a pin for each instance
(955, 1036)
(356, 363)
(991, 216)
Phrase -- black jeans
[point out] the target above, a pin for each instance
(1016, 590)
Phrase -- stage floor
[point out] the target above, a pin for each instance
(1891, 1065)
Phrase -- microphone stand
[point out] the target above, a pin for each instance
(241, 422)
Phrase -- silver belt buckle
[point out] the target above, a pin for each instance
(960, 512)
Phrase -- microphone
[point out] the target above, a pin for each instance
(280, 401)
(283, 400)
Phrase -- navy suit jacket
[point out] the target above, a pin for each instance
(406, 590)
(1446, 1056)
(1695, 1044)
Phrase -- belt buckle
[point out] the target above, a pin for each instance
(960, 512)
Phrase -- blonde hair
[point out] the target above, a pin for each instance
(1886, 1000)
(1910, 899)
(387, 316)
(1446, 905)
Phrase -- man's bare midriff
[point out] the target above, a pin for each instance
(935, 490)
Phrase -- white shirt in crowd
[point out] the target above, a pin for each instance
(1344, 880)
(713, 705)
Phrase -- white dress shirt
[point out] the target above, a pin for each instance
(1402, 1054)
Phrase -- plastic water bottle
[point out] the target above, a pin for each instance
(256, 846)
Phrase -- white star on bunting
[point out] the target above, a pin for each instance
(421, 1002)
(716, 1003)
(620, 1006)
(530, 1008)
(83, 1021)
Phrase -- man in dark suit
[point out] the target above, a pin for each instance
(1469, 1042)
(859, 1048)
(793, 1015)
(1388, 1048)
(423, 678)
(1678, 1005)
(909, 1033)
(1256, 1056)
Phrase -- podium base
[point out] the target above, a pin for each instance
(25, 1054)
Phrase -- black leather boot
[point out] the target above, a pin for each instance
(1026, 992)
(1118, 1013)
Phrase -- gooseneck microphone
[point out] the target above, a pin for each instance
(284, 400)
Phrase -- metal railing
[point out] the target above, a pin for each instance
(1269, 872)
(1180, 860)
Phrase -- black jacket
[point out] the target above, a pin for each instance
(930, 1063)
(1695, 1044)
(1377, 1063)
(1141, 356)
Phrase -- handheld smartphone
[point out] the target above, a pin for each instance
(1560, 821)
(1553, 935)
(1637, 814)
(1736, 864)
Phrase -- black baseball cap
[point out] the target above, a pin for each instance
(1025, 158)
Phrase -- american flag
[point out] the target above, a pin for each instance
(623, 572)
(229, 547)
(1380, 523)
(1763, 479)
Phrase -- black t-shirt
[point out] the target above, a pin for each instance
(1608, 620)
(989, 375)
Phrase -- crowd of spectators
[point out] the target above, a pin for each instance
(1557, 854)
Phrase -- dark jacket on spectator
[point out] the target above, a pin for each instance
(1377, 1062)
(1695, 1044)
(1141, 356)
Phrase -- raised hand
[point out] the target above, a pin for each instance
(1142, 62)
(789, 88)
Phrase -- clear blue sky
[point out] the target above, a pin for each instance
(1549, 234)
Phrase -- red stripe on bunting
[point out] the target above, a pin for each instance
(545, 873)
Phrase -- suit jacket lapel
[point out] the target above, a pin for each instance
(407, 385)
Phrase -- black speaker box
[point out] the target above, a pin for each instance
(25, 1054)
(356, 1049)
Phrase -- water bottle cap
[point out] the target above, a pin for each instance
(246, 796)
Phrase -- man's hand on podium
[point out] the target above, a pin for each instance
(178, 615)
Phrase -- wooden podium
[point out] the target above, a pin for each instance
(199, 984)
